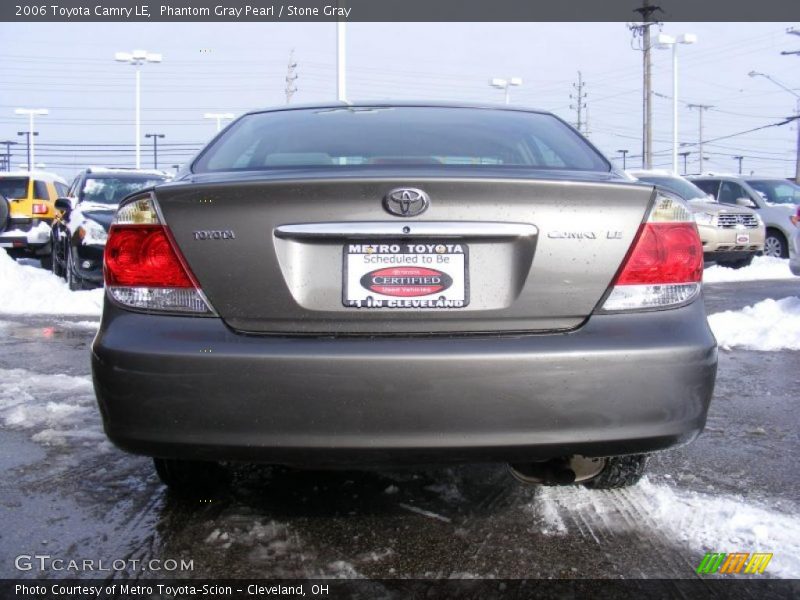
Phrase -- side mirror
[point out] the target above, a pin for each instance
(64, 205)
(746, 202)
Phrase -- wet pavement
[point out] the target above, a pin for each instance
(67, 493)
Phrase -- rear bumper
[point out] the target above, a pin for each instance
(28, 236)
(190, 388)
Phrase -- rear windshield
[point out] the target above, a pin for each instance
(685, 189)
(14, 187)
(110, 190)
(363, 136)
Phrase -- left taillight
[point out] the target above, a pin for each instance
(39, 208)
(143, 267)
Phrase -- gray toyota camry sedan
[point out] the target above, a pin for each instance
(348, 285)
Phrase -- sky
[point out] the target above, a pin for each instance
(234, 67)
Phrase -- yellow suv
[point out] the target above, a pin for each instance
(31, 197)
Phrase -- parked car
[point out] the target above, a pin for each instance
(794, 258)
(31, 197)
(78, 236)
(4, 210)
(731, 236)
(374, 284)
(774, 199)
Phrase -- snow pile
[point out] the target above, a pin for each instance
(700, 522)
(30, 290)
(54, 408)
(766, 325)
(763, 267)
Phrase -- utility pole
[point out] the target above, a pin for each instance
(28, 135)
(8, 144)
(624, 157)
(579, 97)
(291, 77)
(740, 159)
(642, 31)
(341, 58)
(156, 137)
(793, 31)
(684, 155)
(700, 109)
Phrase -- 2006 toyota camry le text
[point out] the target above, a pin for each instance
(378, 284)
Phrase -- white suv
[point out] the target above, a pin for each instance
(773, 198)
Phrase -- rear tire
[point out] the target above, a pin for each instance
(620, 472)
(190, 475)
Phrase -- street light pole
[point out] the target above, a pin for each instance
(155, 137)
(219, 117)
(665, 41)
(30, 112)
(137, 58)
(28, 138)
(505, 85)
(624, 158)
(684, 155)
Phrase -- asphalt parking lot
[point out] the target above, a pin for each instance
(66, 492)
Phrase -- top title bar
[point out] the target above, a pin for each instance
(398, 10)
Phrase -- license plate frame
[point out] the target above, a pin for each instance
(405, 275)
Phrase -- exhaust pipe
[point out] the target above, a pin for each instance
(558, 471)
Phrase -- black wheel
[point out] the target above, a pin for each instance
(745, 262)
(74, 281)
(4, 210)
(737, 264)
(775, 245)
(56, 261)
(620, 472)
(190, 475)
(47, 261)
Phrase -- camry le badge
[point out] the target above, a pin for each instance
(406, 202)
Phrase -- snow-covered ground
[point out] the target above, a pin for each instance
(53, 409)
(700, 522)
(26, 289)
(762, 267)
(767, 325)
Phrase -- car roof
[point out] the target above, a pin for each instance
(653, 173)
(43, 175)
(399, 104)
(115, 171)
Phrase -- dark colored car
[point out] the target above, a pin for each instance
(79, 234)
(4, 211)
(375, 284)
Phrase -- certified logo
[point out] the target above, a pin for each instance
(406, 281)
(406, 202)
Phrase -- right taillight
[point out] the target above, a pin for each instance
(143, 268)
(664, 267)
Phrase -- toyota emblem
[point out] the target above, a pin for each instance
(406, 202)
